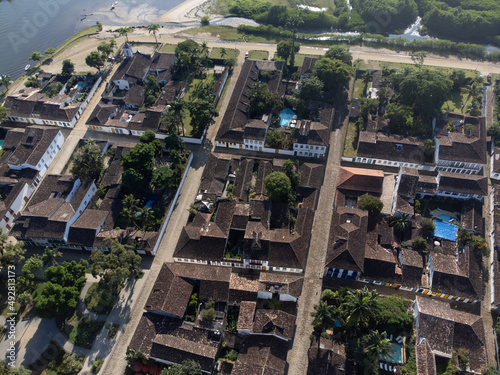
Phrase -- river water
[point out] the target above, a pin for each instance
(35, 25)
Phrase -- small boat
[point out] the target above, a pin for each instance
(27, 67)
(116, 2)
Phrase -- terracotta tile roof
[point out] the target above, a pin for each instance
(170, 293)
(169, 339)
(360, 179)
(311, 133)
(308, 65)
(311, 175)
(31, 145)
(281, 283)
(247, 313)
(447, 329)
(276, 322)
(426, 363)
(495, 160)
(456, 145)
(261, 355)
(385, 147)
(472, 216)
(346, 245)
(463, 183)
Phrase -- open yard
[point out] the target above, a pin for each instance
(81, 331)
(299, 58)
(456, 102)
(224, 53)
(168, 48)
(258, 55)
(351, 141)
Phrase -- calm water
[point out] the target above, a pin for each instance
(35, 25)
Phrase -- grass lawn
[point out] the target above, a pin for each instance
(99, 299)
(455, 103)
(258, 55)
(82, 331)
(359, 85)
(227, 33)
(299, 58)
(351, 141)
(215, 53)
(168, 48)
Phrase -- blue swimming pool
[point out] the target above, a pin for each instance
(396, 357)
(445, 217)
(285, 116)
(79, 85)
(445, 231)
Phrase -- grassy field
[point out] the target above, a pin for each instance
(215, 53)
(227, 33)
(82, 331)
(299, 58)
(258, 54)
(168, 48)
(456, 102)
(359, 85)
(351, 141)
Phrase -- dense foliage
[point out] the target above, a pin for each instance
(88, 161)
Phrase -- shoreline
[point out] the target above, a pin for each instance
(184, 12)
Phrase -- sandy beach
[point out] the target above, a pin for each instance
(188, 11)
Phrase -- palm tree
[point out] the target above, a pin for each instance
(223, 52)
(49, 256)
(402, 223)
(146, 218)
(123, 31)
(361, 306)
(366, 78)
(204, 48)
(153, 28)
(377, 345)
(177, 107)
(474, 91)
(323, 316)
(130, 208)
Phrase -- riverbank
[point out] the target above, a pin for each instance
(188, 11)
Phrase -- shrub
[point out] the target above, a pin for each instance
(205, 21)
(100, 299)
(71, 364)
(419, 243)
(96, 366)
(404, 245)
(427, 224)
(232, 355)
(86, 331)
(328, 294)
(207, 314)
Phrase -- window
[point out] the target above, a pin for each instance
(399, 146)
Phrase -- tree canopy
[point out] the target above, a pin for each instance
(371, 204)
(311, 88)
(68, 67)
(279, 187)
(95, 60)
(334, 74)
(35, 56)
(4, 112)
(339, 53)
(10, 253)
(88, 161)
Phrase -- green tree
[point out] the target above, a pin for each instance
(400, 118)
(174, 142)
(311, 88)
(361, 307)
(148, 137)
(425, 92)
(474, 91)
(117, 266)
(177, 112)
(205, 21)
(284, 49)
(68, 67)
(276, 139)
(493, 131)
(5, 81)
(88, 161)
(11, 253)
(50, 255)
(71, 364)
(339, 53)
(323, 315)
(35, 56)
(419, 243)
(146, 219)
(141, 158)
(107, 48)
(293, 22)
(162, 176)
(427, 224)
(69, 274)
(291, 168)
(223, 53)
(278, 186)
(130, 209)
(32, 81)
(333, 73)
(123, 31)
(402, 223)
(33, 263)
(55, 300)
(50, 51)
(490, 370)
(418, 59)
(188, 367)
(4, 113)
(377, 344)
(134, 181)
(371, 204)
(95, 60)
(203, 115)
(153, 28)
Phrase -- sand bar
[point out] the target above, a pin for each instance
(185, 12)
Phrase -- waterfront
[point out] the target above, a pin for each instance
(27, 25)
